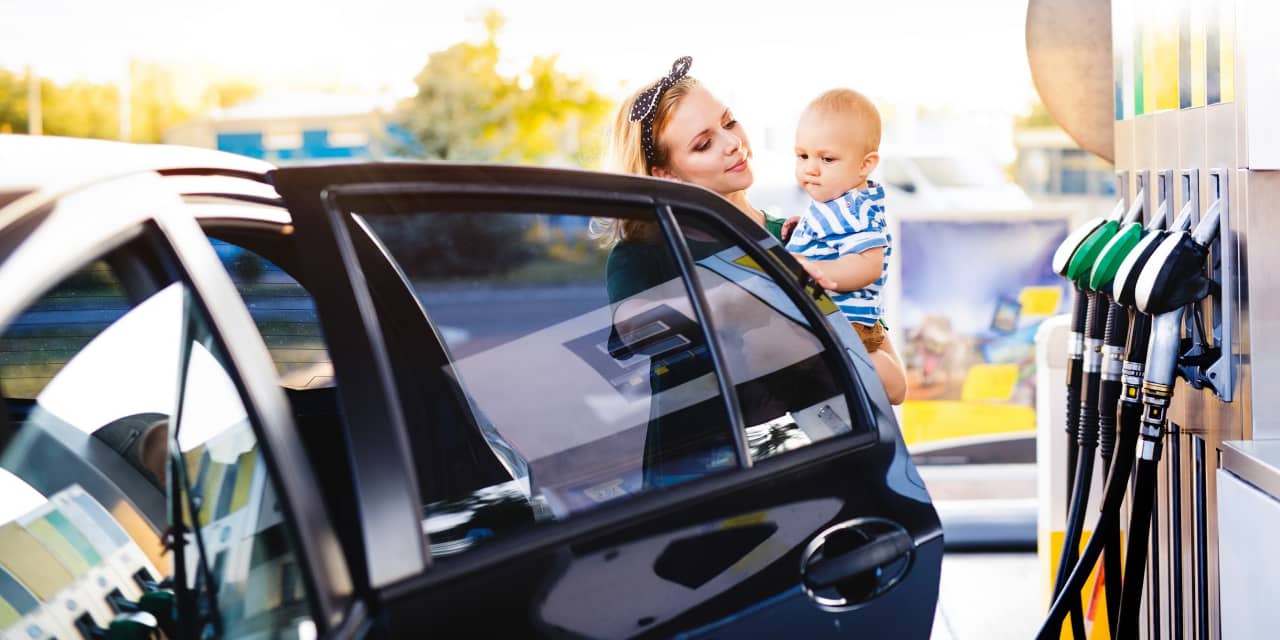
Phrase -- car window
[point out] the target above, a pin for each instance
(781, 371)
(36, 345)
(284, 313)
(583, 367)
(120, 384)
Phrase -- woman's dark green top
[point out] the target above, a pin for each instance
(636, 266)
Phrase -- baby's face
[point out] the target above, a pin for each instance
(831, 155)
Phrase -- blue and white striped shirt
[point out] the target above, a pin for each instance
(852, 223)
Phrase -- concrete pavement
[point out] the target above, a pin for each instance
(988, 596)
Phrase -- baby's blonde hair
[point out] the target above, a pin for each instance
(850, 104)
(626, 155)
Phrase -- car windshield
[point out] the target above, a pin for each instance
(955, 172)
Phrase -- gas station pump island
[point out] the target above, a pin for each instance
(1168, 404)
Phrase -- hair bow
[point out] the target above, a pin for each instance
(646, 103)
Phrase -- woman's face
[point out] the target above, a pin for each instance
(705, 145)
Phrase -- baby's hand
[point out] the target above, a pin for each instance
(789, 226)
(815, 272)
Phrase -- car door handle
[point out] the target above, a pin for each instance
(882, 549)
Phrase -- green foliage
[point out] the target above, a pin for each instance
(467, 111)
(223, 95)
(92, 110)
(80, 109)
(153, 101)
(1037, 118)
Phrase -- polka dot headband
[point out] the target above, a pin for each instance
(646, 104)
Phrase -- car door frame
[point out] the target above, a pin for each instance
(357, 344)
(53, 236)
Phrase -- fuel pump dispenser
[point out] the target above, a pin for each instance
(1157, 273)
(1185, 102)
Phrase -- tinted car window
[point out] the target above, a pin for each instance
(781, 371)
(137, 392)
(284, 313)
(580, 368)
(41, 340)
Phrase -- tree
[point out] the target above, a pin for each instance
(153, 102)
(83, 109)
(229, 93)
(465, 110)
(1037, 117)
(80, 109)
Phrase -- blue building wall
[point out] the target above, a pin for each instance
(395, 141)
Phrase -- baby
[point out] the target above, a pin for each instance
(837, 147)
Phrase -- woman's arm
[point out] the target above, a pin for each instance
(892, 372)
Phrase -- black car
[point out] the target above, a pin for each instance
(409, 400)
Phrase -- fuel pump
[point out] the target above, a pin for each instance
(1070, 261)
(1062, 261)
(1159, 274)
(1098, 329)
(1116, 336)
(1116, 272)
(1173, 278)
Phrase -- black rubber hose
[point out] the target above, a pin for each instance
(1075, 365)
(1113, 349)
(1130, 420)
(1071, 540)
(1095, 331)
(1086, 438)
(1075, 376)
(1136, 557)
(1112, 372)
(1175, 526)
(1113, 499)
(1112, 570)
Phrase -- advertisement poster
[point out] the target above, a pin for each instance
(973, 294)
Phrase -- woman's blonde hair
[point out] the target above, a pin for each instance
(626, 155)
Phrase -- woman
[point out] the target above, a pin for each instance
(678, 130)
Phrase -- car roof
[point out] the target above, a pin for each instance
(52, 163)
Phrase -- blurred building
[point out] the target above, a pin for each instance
(300, 128)
(1052, 169)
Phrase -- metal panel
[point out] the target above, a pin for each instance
(1249, 560)
(1192, 151)
(1239, 226)
(1144, 142)
(1262, 189)
(1220, 135)
(1258, 88)
(1125, 132)
(1168, 143)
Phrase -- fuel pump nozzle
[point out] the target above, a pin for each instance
(1175, 276)
(1075, 260)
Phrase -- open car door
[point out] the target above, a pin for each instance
(612, 408)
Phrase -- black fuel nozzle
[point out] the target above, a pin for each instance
(1075, 362)
(1095, 331)
(1112, 374)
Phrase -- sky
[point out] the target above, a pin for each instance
(764, 60)
(929, 52)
